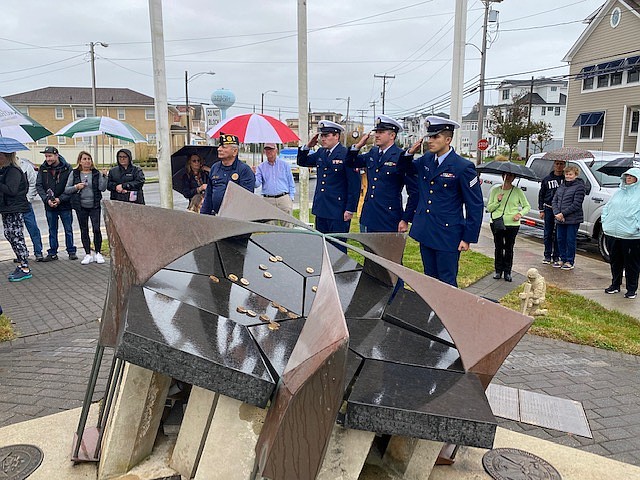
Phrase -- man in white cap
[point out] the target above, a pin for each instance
(276, 180)
(449, 212)
(337, 187)
(386, 177)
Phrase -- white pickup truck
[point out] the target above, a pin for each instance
(599, 189)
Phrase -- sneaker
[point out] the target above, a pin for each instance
(567, 266)
(611, 290)
(557, 264)
(50, 258)
(15, 260)
(630, 295)
(39, 257)
(15, 272)
(73, 256)
(20, 275)
(88, 258)
(546, 261)
(99, 258)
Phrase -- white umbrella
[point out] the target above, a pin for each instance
(94, 126)
(9, 115)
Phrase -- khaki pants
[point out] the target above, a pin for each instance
(284, 203)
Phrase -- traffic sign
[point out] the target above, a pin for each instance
(483, 144)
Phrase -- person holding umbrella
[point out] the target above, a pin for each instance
(621, 225)
(507, 205)
(195, 177)
(567, 210)
(13, 204)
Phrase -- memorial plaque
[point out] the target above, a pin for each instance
(553, 412)
(17, 462)
(512, 464)
(504, 401)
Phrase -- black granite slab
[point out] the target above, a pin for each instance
(204, 260)
(243, 259)
(379, 340)
(167, 336)
(420, 402)
(277, 345)
(221, 298)
(361, 295)
(300, 251)
(409, 311)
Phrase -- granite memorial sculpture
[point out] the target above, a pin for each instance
(534, 294)
(280, 318)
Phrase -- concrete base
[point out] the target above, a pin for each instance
(229, 450)
(193, 431)
(133, 423)
(346, 454)
(411, 458)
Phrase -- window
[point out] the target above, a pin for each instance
(121, 115)
(62, 140)
(82, 113)
(544, 111)
(149, 113)
(633, 75)
(506, 94)
(587, 83)
(59, 113)
(42, 141)
(83, 142)
(614, 20)
(556, 111)
(151, 138)
(474, 126)
(616, 78)
(591, 125)
(554, 89)
(603, 81)
(549, 109)
(633, 126)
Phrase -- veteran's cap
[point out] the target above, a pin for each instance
(325, 126)
(439, 124)
(227, 139)
(383, 122)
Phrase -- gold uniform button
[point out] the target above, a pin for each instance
(429, 202)
(373, 187)
(427, 210)
(314, 288)
(232, 277)
(375, 178)
(389, 208)
(445, 185)
(446, 224)
(325, 175)
(432, 182)
(322, 189)
(430, 191)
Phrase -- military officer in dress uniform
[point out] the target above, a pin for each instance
(386, 176)
(449, 212)
(228, 169)
(337, 187)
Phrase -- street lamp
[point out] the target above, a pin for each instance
(346, 118)
(262, 99)
(187, 79)
(93, 89)
(483, 61)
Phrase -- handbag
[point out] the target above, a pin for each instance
(498, 223)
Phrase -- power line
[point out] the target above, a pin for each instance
(43, 65)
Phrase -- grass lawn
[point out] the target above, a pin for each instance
(575, 319)
(6, 330)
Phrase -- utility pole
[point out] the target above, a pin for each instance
(457, 72)
(373, 104)
(93, 92)
(186, 99)
(529, 118)
(384, 86)
(303, 105)
(362, 112)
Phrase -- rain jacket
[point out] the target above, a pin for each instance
(131, 178)
(568, 201)
(51, 182)
(13, 190)
(621, 214)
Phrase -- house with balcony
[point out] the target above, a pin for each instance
(604, 91)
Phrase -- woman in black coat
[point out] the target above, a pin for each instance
(125, 180)
(195, 177)
(567, 210)
(13, 203)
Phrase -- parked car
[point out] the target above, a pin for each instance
(599, 189)
(290, 156)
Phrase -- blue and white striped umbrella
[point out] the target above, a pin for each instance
(10, 145)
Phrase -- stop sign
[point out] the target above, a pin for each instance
(483, 144)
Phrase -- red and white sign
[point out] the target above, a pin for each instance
(483, 144)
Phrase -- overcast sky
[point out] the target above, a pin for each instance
(252, 47)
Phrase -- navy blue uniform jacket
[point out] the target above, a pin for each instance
(337, 187)
(440, 222)
(382, 209)
(238, 172)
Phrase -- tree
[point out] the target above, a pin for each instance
(541, 135)
(509, 122)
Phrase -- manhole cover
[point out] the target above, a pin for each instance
(17, 462)
(514, 464)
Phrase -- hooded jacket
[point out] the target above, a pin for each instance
(52, 181)
(130, 177)
(568, 201)
(621, 214)
(13, 190)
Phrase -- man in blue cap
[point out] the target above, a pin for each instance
(449, 212)
(386, 177)
(228, 169)
(337, 187)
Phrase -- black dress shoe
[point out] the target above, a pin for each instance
(497, 275)
(507, 277)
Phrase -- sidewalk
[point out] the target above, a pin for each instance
(46, 369)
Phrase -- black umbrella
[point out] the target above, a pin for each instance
(208, 153)
(620, 165)
(508, 167)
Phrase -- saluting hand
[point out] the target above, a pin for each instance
(363, 140)
(313, 141)
(414, 148)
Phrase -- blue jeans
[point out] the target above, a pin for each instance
(550, 238)
(67, 222)
(567, 241)
(34, 232)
